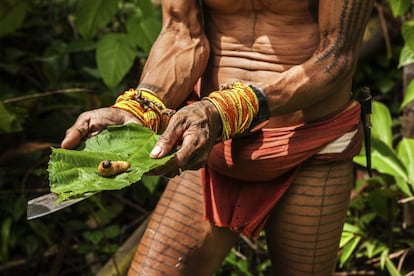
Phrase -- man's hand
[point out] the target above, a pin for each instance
(92, 122)
(195, 129)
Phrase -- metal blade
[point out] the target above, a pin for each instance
(47, 204)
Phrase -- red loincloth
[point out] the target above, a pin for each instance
(244, 178)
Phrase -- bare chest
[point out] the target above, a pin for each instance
(273, 6)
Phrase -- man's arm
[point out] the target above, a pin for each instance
(341, 28)
(179, 56)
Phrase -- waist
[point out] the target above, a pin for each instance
(320, 111)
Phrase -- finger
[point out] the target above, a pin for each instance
(193, 151)
(169, 169)
(167, 140)
(74, 135)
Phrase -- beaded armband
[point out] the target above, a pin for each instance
(242, 108)
(145, 106)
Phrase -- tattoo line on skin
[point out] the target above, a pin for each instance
(349, 20)
(162, 232)
(325, 230)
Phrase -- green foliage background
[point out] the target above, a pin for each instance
(59, 58)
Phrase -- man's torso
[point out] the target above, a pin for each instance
(256, 40)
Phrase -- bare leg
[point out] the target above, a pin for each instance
(304, 230)
(177, 240)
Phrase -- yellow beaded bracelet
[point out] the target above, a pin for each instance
(145, 106)
(241, 108)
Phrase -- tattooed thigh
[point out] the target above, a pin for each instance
(177, 240)
(304, 229)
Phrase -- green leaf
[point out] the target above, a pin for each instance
(93, 236)
(406, 56)
(352, 228)
(407, 30)
(399, 7)
(346, 237)
(409, 96)
(12, 15)
(405, 152)
(73, 173)
(7, 120)
(92, 15)
(393, 271)
(381, 123)
(5, 236)
(385, 160)
(150, 182)
(348, 249)
(115, 55)
(143, 32)
(112, 231)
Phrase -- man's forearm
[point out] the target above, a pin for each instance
(177, 59)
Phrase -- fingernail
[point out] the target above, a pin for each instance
(155, 151)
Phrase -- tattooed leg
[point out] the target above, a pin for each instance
(177, 240)
(304, 230)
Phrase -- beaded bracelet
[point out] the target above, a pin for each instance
(145, 106)
(242, 109)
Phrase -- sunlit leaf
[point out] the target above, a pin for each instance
(407, 31)
(399, 7)
(348, 249)
(406, 56)
(391, 268)
(384, 257)
(352, 228)
(74, 172)
(385, 160)
(345, 238)
(405, 152)
(409, 96)
(381, 122)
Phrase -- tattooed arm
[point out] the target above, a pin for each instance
(179, 56)
(341, 26)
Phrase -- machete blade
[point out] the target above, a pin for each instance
(47, 204)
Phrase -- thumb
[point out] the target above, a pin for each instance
(165, 143)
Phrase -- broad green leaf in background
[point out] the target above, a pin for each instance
(399, 7)
(74, 173)
(381, 123)
(12, 15)
(92, 15)
(406, 56)
(143, 32)
(409, 96)
(407, 31)
(405, 152)
(115, 55)
(385, 160)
